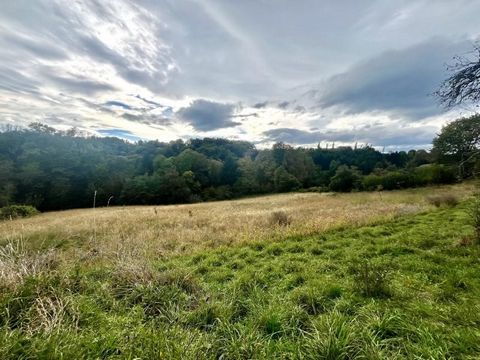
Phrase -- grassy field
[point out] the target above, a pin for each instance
(296, 276)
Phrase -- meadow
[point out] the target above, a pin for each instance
(379, 275)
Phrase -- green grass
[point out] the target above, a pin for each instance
(403, 289)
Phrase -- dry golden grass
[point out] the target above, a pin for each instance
(146, 232)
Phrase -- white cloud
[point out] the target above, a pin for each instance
(317, 67)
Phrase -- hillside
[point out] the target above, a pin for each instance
(334, 276)
(58, 170)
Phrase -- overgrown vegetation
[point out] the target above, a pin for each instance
(399, 288)
(443, 200)
(17, 211)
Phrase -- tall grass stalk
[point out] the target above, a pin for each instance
(94, 218)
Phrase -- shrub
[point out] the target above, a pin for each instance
(372, 280)
(444, 175)
(434, 174)
(17, 211)
(280, 218)
(448, 200)
(389, 181)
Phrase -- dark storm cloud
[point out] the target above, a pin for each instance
(379, 135)
(397, 81)
(206, 115)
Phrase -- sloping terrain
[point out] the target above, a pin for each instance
(393, 278)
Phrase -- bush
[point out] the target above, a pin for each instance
(17, 211)
(448, 200)
(444, 175)
(434, 174)
(389, 181)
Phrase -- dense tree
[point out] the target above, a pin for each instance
(53, 169)
(345, 179)
(459, 142)
(247, 181)
(284, 181)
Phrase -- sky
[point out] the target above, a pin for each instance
(304, 72)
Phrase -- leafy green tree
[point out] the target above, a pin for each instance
(459, 142)
(345, 179)
(199, 164)
(247, 181)
(284, 181)
(229, 172)
(265, 166)
(299, 163)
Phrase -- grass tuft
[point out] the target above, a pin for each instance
(448, 200)
(372, 279)
(280, 218)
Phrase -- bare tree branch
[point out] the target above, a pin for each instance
(464, 85)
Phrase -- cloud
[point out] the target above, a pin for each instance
(301, 64)
(398, 81)
(260, 105)
(79, 84)
(16, 82)
(206, 115)
(33, 46)
(120, 133)
(150, 102)
(146, 118)
(380, 135)
(119, 104)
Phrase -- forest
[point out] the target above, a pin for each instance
(52, 170)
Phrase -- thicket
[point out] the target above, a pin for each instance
(17, 211)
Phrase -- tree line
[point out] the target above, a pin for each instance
(54, 170)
